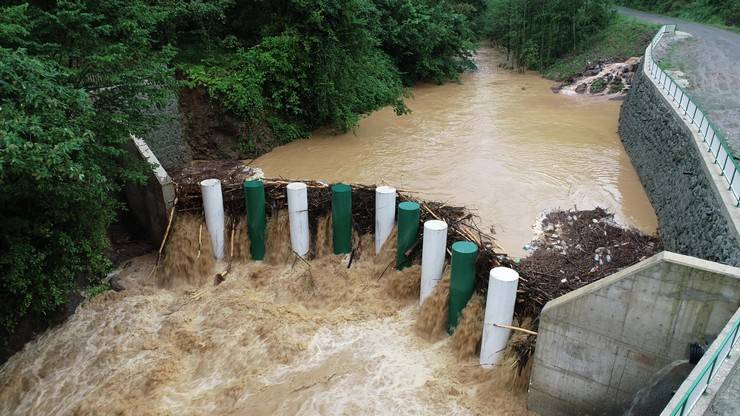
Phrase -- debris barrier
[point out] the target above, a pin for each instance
(341, 218)
(500, 302)
(408, 228)
(298, 217)
(254, 194)
(462, 280)
(434, 247)
(385, 214)
(213, 207)
(559, 263)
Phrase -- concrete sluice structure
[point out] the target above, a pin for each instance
(597, 346)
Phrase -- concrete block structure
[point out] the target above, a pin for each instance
(151, 203)
(598, 345)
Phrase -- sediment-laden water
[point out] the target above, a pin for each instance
(281, 337)
(500, 142)
(291, 337)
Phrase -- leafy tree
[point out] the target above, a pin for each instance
(428, 41)
(537, 32)
(295, 65)
(76, 79)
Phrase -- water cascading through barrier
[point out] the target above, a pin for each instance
(408, 228)
(213, 207)
(462, 280)
(254, 194)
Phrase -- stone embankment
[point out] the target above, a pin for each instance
(669, 164)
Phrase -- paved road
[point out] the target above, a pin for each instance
(711, 61)
(727, 400)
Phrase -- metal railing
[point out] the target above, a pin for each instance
(701, 383)
(712, 138)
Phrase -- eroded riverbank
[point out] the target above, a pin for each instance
(499, 142)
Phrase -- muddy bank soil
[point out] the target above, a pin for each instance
(211, 132)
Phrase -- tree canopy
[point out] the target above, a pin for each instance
(537, 32)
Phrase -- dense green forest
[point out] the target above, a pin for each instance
(297, 65)
(78, 77)
(723, 12)
(560, 37)
(537, 32)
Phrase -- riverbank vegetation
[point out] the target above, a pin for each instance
(716, 12)
(75, 80)
(294, 66)
(560, 38)
(78, 77)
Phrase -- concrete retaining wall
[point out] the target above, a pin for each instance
(692, 215)
(151, 203)
(598, 345)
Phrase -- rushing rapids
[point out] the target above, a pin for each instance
(280, 337)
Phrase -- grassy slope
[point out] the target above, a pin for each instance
(624, 37)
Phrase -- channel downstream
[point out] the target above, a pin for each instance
(499, 142)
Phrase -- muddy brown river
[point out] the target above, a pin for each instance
(500, 142)
(319, 338)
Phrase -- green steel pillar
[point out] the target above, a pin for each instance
(462, 282)
(408, 228)
(341, 218)
(254, 194)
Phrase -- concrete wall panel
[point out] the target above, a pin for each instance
(597, 346)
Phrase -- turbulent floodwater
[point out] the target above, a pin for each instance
(288, 337)
(282, 337)
(500, 142)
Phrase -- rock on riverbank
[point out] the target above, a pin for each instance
(602, 78)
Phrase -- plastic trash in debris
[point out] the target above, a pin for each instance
(564, 281)
(527, 247)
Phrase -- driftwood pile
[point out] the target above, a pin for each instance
(575, 248)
